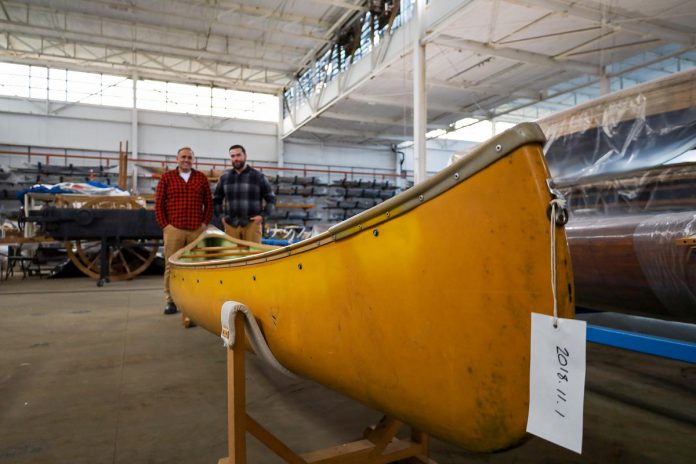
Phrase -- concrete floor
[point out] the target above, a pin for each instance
(100, 375)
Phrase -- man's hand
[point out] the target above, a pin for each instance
(257, 219)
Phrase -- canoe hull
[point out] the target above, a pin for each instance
(432, 331)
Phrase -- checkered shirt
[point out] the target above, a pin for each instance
(184, 205)
(241, 196)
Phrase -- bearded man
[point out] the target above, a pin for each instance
(244, 197)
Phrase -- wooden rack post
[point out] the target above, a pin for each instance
(380, 444)
(123, 166)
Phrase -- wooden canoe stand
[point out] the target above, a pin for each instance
(380, 444)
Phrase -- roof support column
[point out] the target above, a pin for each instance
(280, 154)
(420, 107)
(134, 134)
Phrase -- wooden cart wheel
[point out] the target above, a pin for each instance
(126, 259)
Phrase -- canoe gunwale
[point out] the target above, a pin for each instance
(473, 162)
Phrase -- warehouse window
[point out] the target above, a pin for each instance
(357, 40)
(84, 87)
(15, 80)
(38, 82)
(152, 95)
(116, 91)
(206, 101)
(57, 84)
(235, 104)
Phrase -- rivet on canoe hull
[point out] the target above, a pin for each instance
(456, 175)
(375, 232)
(299, 266)
(421, 198)
(498, 147)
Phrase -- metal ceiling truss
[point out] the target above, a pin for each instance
(148, 37)
(513, 54)
(493, 97)
(319, 53)
(351, 38)
(319, 96)
(93, 58)
(618, 20)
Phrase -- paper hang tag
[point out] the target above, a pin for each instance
(557, 380)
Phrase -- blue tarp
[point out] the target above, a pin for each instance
(65, 189)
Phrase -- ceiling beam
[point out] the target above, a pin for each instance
(465, 86)
(133, 62)
(596, 81)
(163, 19)
(167, 49)
(360, 118)
(343, 4)
(640, 46)
(542, 99)
(196, 31)
(513, 54)
(407, 103)
(253, 10)
(200, 10)
(617, 19)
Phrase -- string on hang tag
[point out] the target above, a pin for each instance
(557, 360)
(560, 203)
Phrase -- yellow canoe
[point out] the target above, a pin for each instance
(419, 307)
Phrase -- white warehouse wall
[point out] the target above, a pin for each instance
(38, 123)
(91, 127)
(209, 137)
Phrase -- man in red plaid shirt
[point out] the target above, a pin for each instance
(183, 208)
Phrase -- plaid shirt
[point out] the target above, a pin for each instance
(185, 205)
(239, 196)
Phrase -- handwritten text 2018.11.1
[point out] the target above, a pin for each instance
(562, 374)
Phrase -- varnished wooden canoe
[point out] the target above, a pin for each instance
(388, 309)
(642, 264)
(632, 237)
(633, 219)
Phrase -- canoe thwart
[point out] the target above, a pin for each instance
(221, 248)
(220, 255)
